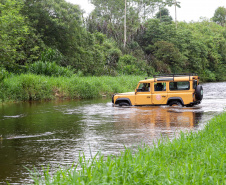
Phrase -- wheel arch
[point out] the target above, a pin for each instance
(119, 100)
(175, 99)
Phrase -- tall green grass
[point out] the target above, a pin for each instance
(26, 87)
(194, 158)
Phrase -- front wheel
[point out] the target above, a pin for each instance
(123, 104)
(175, 104)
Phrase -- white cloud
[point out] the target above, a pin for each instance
(84, 5)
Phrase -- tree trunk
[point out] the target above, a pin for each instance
(125, 26)
(176, 13)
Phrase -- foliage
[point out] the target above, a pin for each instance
(18, 42)
(169, 55)
(53, 31)
(129, 65)
(220, 16)
(60, 26)
(193, 158)
(206, 48)
(107, 17)
(27, 87)
(49, 69)
(52, 55)
(57, 22)
(192, 47)
(164, 15)
(3, 73)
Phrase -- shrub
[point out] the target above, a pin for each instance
(129, 65)
(100, 37)
(208, 76)
(3, 74)
(51, 55)
(49, 69)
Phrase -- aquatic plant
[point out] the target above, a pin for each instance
(193, 158)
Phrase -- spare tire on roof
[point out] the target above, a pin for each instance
(199, 92)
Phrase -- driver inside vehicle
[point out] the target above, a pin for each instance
(146, 87)
(159, 87)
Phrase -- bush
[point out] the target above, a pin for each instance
(208, 76)
(51, 55)
(129, 65)
(49, 69)
(100, 37)
(3, 74)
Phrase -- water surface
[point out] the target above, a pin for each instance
(36, 134)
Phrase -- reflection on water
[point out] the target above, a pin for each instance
(40, 133)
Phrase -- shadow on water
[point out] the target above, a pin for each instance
(36, 134)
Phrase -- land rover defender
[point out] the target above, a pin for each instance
(163, 89)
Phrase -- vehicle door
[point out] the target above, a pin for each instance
(143, 94)
(159, 95)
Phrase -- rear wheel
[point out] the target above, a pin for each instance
(123, 104)
(175, 104)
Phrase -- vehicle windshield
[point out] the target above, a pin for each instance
(144, 87)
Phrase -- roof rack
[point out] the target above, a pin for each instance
(166, 77)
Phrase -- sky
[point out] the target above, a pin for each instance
(191, 10)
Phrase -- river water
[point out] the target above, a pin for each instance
(38, 134)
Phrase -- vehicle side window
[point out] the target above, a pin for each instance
(195, 84)
(179, 86)
(144, 87)
(160, 86)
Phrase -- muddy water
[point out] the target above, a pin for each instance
(41, 133)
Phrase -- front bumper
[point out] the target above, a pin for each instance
(113, 98)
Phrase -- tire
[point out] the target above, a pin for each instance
(199, 92)
(175, 103)
(123, 104)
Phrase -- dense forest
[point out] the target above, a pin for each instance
(52, 37)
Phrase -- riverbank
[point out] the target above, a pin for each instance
(29, 87)
(193, 158)
(32, 87)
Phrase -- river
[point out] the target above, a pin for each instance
(38, 134)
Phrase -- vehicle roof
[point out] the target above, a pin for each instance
(170, 78)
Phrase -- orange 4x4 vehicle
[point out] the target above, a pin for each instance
(166, 89)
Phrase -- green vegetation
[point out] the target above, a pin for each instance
(193, 158)
(49, 69)
(220, 16)
(27, 87)
(35, 33)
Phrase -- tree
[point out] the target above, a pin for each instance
(57, 22)
(169, 56)
(18, 43)
(164, 15)
(107, 16)
(220, 16)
